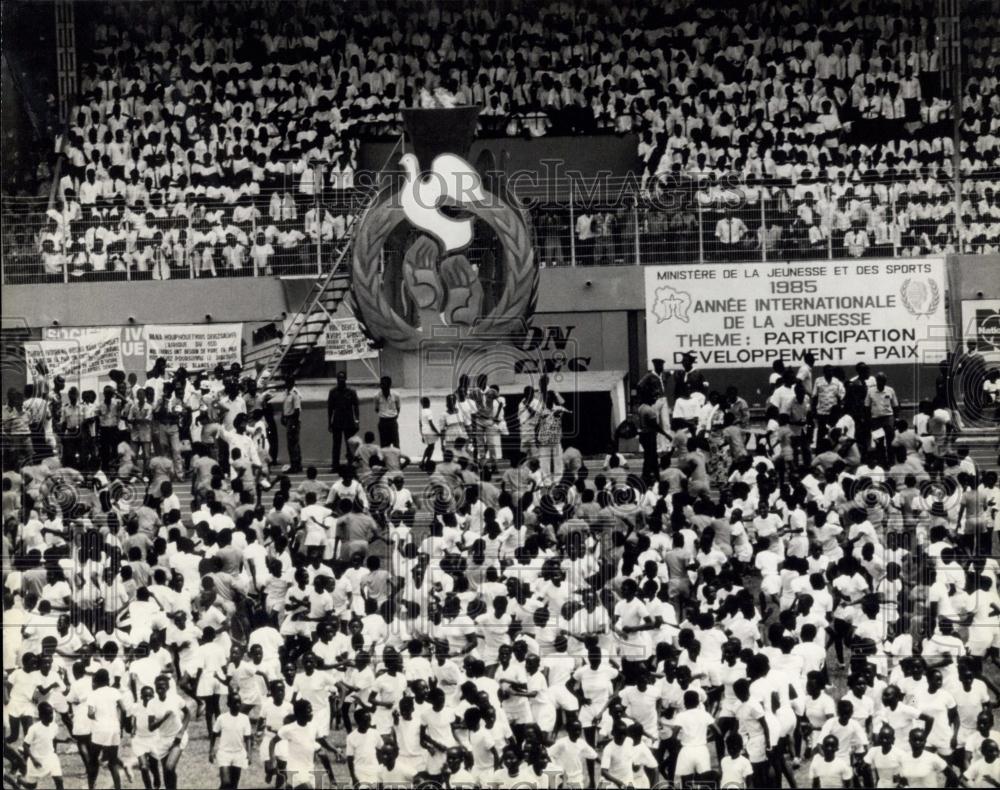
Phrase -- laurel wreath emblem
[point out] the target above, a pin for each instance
(516, 303)
(908, 304)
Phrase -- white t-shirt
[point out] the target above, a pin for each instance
(481, 744)
(105, 701)
(596, 683)
(172, 704)
(693, 725)
(834, 773)
(40, 739)
(570, 756)
(887, 765)
(901, 720)
(922, 771)
(979, 771)
(735, 771)
(232, 731)
(302, 746)
(617, 760)
(363, 746)
(426, 418)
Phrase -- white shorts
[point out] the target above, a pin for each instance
(411, 765)
(102, 735)
(48, 766)
(982, 638)
(940, 740)
(295, 779)
(564, 699)
(164, 745)
(728, 707)
(231, 759)
(545, 718)
(297, 628)
(382, 721)
(321, 721)
(770, 584)
(58, 702)
(589, 714)
(787, 721)
(264, 750)
(81, 724)
(17, 709)
(435, 762)
(208, 687)
(693, 760)
(144, 744)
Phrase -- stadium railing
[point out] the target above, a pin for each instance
(604, 220)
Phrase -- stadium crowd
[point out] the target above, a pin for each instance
(209, 139)
(810, 600)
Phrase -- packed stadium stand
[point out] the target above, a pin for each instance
(222, 139)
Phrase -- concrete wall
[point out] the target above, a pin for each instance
(148, 302)
(595, 313)
(979, 276)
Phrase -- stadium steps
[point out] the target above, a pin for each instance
(983, 444)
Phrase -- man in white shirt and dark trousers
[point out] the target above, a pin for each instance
(729, 233)
(291, 418)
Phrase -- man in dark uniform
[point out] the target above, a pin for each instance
(653, 384)
(682, 376)
(972, 373)
(855, 397)
(649, 427)
(342, 418)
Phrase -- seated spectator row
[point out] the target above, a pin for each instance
(676, 218)
(256, 107)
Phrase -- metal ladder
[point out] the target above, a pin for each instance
(327, 295)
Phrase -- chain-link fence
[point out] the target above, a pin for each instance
(575, 222)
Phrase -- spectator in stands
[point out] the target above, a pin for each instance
(730, 233)
(238, 135)
(856, 241)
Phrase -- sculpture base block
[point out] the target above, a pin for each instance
(440, 361)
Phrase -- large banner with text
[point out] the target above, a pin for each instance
(194, 346)
(85, 355)
(83, 360)
(748, 315)
(344, 340)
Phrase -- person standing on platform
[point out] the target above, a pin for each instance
(653, 384)
(649, 428)
(882, 406)
(291, 418)
(342, 418)
(682, 376)
(856, 403)
(828, 394)
(387, 411)
(262, 401)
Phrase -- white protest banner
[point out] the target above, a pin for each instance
(747, 315)
(981, 324)
(83, 358)
(345, 341)
(195, 346)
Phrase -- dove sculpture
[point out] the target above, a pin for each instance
(451, 180)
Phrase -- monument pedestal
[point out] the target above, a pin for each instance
(439, 362)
